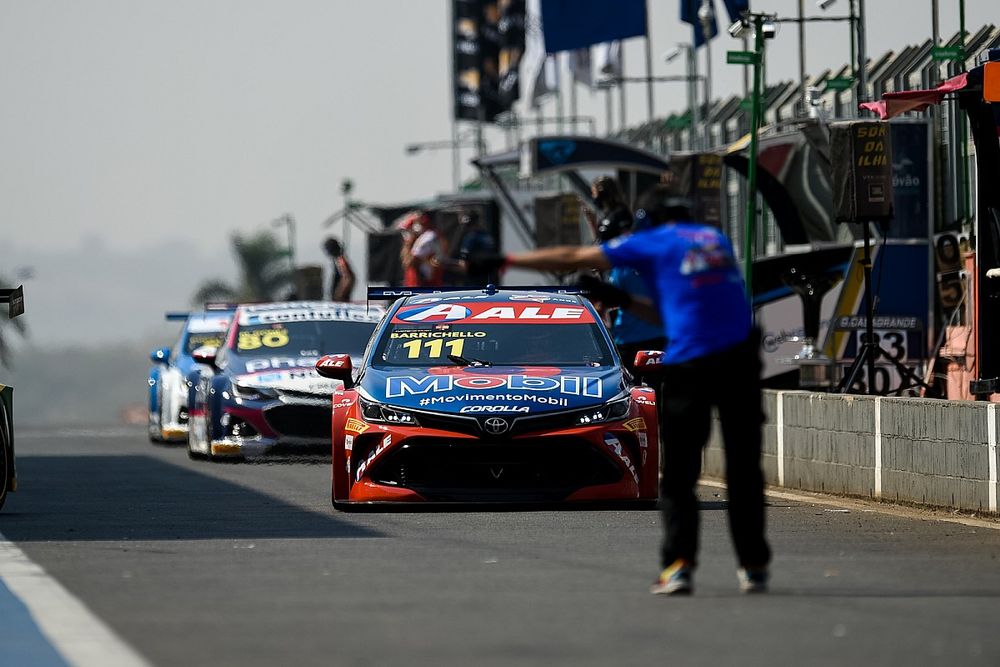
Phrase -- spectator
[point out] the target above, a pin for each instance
(426, 253)
(615, 216)
(476, 240)
(341, 273)
(410, 229)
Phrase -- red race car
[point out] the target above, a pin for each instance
(508, 396)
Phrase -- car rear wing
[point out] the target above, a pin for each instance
(392, 293)
(14, 298)
(211, 306)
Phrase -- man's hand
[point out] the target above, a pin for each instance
(485, 262)
(608, 295)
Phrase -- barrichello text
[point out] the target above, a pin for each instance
(573, 385)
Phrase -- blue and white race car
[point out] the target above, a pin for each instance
(168, 391)
(260, 390)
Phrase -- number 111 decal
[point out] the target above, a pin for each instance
(435, 348)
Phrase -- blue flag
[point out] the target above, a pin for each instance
(577, 24)
(689, 14)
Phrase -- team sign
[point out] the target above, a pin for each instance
(573, 385)
(494, 313)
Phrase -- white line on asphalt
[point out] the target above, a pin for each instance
(991, 431)
(79, 636)
(781, 438)
(878, 446)
(862, 505)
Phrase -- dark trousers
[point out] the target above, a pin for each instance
(730, 381)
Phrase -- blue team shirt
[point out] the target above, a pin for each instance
(628, 328)
(695, 281)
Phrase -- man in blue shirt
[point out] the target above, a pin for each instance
(712, 359)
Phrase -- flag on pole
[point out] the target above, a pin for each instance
(689, 14)
(608, 59)
(540, 74)
(575, 24)
(580, 65)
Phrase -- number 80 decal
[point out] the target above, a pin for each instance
(252, 340)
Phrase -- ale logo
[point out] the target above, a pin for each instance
(442, 312)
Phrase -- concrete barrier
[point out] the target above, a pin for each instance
(927, 451)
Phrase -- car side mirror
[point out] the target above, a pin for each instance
(160, 355)
(205, 355)
(337, 367)
(647, 362)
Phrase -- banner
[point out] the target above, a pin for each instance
(466, 58)
(575, 24)
(699, 177)
(911, 180)
(511, 30)
(861, 171)
(476, 42)
(557, 220)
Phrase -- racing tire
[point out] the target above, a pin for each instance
(154, 429)
(6, 456)
(192, 454)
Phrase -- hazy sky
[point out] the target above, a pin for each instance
(134, 123)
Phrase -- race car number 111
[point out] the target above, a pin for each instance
(435, 348)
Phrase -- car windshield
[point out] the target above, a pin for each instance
(302, 339)
(202, 339)
(496, 334)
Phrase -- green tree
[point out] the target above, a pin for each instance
(264, 272)
(7, 325)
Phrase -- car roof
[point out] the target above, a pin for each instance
(209, 321)
(499, 296)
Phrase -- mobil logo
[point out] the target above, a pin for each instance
(441, 312)
(575, 385)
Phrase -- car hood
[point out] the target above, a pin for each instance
(499, 389)
(299, 381)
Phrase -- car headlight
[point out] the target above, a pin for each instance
(249, 393)
(383, 414)
(610, 411)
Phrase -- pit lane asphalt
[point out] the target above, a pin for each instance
(195, 563)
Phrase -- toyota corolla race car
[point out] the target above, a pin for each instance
(260, 390)
(168, 390)
(510, 396)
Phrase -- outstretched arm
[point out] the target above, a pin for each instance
(561, 258)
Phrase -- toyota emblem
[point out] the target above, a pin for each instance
(495, 425)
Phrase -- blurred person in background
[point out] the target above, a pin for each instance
(613, 217)
(418, 268)
(341, 273)
(426, 252)
(476, 240)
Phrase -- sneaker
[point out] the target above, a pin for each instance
(675, 580)
(753, 579)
